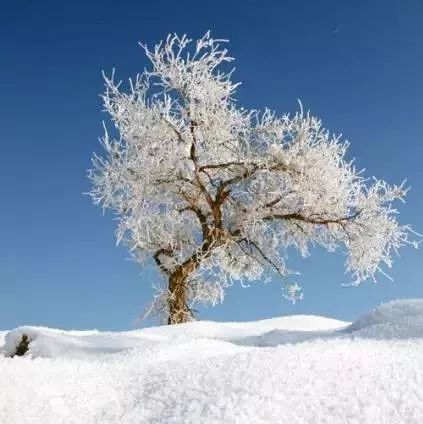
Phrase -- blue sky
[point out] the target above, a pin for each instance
(357, 65)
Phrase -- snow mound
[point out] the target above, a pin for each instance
(2, 339)
(52, 343)
(312, 370)
(400, 319)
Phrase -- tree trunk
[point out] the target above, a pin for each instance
(179, 311)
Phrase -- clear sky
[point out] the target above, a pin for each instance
(356, 64)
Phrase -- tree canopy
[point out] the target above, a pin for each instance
(216, 193)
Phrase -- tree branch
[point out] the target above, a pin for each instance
(318, 221)
(163, 251)
(198, 212)
(262, 254)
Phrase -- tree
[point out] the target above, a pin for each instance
(215, 193)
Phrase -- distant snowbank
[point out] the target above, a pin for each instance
(2, 339)
(52, 343)
(313, 370)
(399, 319)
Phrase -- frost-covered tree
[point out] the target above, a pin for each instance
(214, 193)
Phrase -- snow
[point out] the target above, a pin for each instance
(2, 339)
(52, 343)
(297, 369)
(396, 320)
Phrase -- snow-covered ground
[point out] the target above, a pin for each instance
(296, 369)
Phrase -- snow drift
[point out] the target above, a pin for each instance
(52, 343)
(299, 369)
(400, 319)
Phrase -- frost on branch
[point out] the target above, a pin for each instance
(215, 193)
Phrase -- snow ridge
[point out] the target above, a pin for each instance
(298, 369)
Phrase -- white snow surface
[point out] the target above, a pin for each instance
(296, 369)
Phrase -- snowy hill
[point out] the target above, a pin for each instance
(298, 369)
